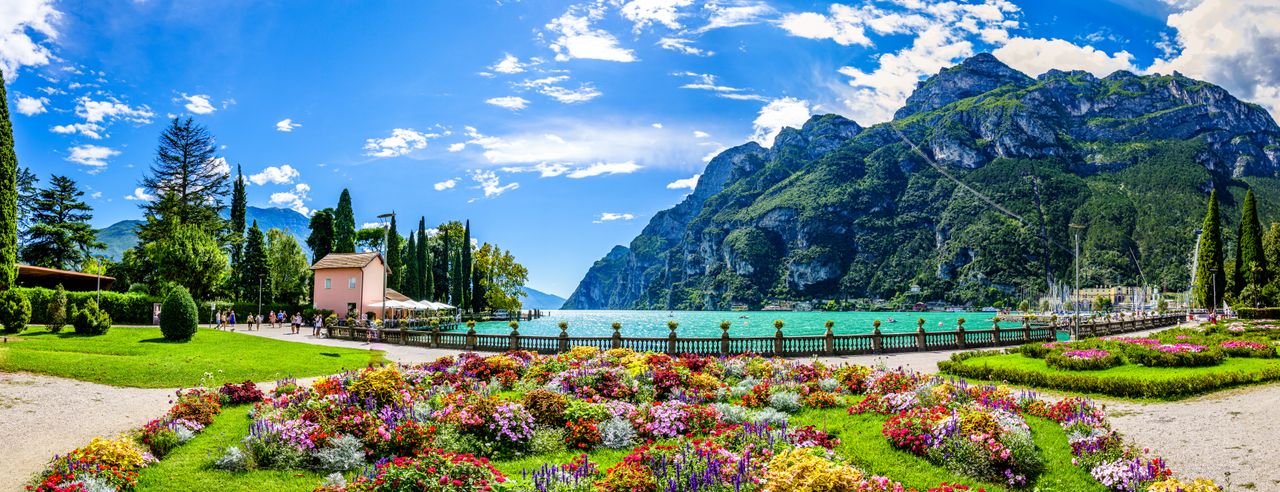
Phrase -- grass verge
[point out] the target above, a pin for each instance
(139, 357)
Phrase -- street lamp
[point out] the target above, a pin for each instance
(386, 235)
(99, 286)
(259, 295)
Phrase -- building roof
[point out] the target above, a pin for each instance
(392, 295)
(346, 260)
(34, 276)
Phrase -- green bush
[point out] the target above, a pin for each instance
(56, 312)
(1060, 360)
(90, 319)
(178, 316)
(15, 311)
(1151, 357)
(134, 309)
(1259, 313)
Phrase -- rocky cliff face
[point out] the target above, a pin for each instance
(834, 210)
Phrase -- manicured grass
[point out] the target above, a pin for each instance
(139, 357)
(189, 468)
(1127, 381)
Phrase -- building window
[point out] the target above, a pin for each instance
(351, 283)
(328, 283)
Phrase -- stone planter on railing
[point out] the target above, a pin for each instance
(515, 335)
(564, 337)
(671, 338)
(830, 343)
(724, 337)
(778, 341)
(960, 333)
(617, 335)
(920, 338)
(877, 344)
(471, 335)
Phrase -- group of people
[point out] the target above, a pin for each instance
(227, 320)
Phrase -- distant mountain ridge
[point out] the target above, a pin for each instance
(837, 211)
(536, 299)
(122, 235)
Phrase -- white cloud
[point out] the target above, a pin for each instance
(446, 184)
(683, 45)
(140, 195)
(1036, 56)
(611, 216)
(735, 13)
(544, 170)
(402, 141)
(220, 165)
(583, 93)
(373, 225)
(295, 199)
(286, 125)
(778, 114)
(578, 143)
(690, 183)
(542, 82)
(93, 156)
(602, 168)
(100, 111)
(95, 195)
(19, 22)
(489, 182)
(576, 38)
(657, 125)
(31, 106)
(646, 12)
(91, 130)
(508, 64)
(700, 134)
(714, 153)
(1231, 43)
(198, 104)
(284, 174)
(514, 103)
(707, 82)
(457, 147)
(845, 25)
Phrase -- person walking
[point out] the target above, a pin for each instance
(231, 320)
(222, 319)
(271, 319)
(317, 323)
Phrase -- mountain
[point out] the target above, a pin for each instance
(837, 211)
(122, 235)
(536, 299)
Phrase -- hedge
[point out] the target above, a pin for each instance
(1258, 313)
(1088, 383)
(133, 309)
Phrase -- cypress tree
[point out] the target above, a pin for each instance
(465, 280)
(254, 263)
(239, 197)
(410, 282)
(344, 225)
(426, 286)
(445, 250)
(1251, 260)
(8, 196)
(393, 256)
(1210, 275)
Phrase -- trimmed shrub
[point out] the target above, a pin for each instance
(122, 308)
(1169, 356)
(1247, 348)
(89, 319)
(178, 316)
(56, 316)
(15, 311)
(1084, 360)
(1258, 313)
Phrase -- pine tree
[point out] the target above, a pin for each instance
(188, 181)
(465, 278)
(344, 225)
(253, 265)
(1251, 260)
(321, 238)
(26, 201)
(394, 263)
(426, 286)
(60, 235)
(8, 196)
(411, 282)
(1210, 275)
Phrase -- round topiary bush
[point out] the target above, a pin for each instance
(178, 316)
(90, 320)
(15, 311)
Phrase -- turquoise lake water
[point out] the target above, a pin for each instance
(695, 324)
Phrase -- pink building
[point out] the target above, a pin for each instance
(346, 282)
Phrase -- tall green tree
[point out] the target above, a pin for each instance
(426, 283)
(464, 277)
(60, 235)
(411, 282)
(189, 182)
(444, 283)
(188, 256)
(344, 225)
(287, 268)
(239, 207)
(253, 266)
(1210, 274)
(321, 238)
(8, 196)
(1251, 259)
(370, 239)
(502, 278)
(26, 201)
(394, 262)
(1271, 247)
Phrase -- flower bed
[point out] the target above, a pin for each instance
(1247, 348)
(682, 424)
(1174, 355)
(1083, 360)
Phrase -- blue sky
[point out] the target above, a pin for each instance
(557, 128)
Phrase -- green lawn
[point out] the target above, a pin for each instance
(1126, 381)
(190, 466)
(139, 357)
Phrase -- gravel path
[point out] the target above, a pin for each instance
(41, 416)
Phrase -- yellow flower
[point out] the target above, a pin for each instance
(115, 452)
(1175, 485)
(583, 352)
(800, 470)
